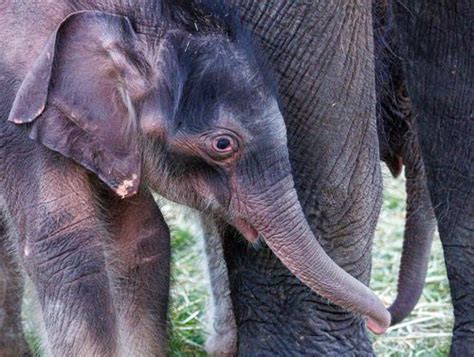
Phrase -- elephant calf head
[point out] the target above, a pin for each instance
(193, 114)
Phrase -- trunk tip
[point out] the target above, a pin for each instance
(379, 326)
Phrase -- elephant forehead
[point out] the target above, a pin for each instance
(260, 118)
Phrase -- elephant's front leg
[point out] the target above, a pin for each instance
(61, 247)
(12, 339)
(139, 261)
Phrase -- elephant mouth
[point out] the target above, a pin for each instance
(246, 229)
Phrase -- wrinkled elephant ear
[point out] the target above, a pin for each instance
(78, 96)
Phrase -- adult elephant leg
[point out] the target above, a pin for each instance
(435, 41)
(12, 339)
(139, 261)
(323, 54)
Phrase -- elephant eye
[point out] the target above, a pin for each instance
(223, 144)
(221, 147)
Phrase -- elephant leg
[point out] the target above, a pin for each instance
(435, 42)
(223, 339)
(12, 338)
(139, 262)
(60, 232)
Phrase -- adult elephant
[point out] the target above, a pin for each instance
(324, 56)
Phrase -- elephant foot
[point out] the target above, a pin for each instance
(222, 344)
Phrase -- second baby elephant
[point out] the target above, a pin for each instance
(120, 99)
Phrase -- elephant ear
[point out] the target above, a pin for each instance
(79, 94)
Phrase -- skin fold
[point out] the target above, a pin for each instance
(102, 102)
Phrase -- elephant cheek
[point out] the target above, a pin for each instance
(211, 193)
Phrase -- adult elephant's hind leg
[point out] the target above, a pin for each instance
(12, 339)
(139, 266)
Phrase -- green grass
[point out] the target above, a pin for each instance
(189, 285)
(189, 297)
(425, 333)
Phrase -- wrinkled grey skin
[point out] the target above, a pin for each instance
(323, 54)
(435, 41)
(398, 141)
(101, 102)
(399, 146)
(11, 289)
(431, 78)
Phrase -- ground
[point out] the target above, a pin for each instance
(425, 333)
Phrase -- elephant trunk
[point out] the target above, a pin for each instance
(418, 236)
(288, 235)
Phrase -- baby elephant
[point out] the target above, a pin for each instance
(101, 102)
